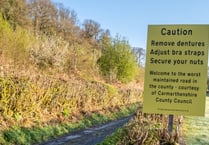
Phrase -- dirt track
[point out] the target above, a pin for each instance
(90, 136)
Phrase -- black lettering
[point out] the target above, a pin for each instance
(174, 32)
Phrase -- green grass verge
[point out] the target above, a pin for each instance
(25, 136)
(196, 129)
(114, 138)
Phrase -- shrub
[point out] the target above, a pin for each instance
(118, 62)
(14, 44)
(5, 30)
(49, 51)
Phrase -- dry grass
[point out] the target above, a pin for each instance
(149, 129)
(145, 129)
(28, 100)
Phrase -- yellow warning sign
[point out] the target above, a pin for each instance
(176, 69)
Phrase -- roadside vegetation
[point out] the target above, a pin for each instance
(55, 72)
(151, 129)
(146, 129)
(40, 133)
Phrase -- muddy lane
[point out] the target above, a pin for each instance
(91, 136)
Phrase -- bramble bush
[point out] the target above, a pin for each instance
(25, 101)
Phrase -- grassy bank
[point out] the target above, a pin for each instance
(27, 101)
(36, 134)
(196, 129)
(38, 107)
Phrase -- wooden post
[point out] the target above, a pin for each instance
(170, 124)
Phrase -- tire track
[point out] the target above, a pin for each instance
(90, 136)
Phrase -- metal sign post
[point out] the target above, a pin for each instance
(170, 124)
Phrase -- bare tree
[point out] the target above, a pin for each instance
(91, 29)
(15, 12)
(43, 14)
(67, 20)
(139, 54)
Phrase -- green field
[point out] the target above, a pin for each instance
(196, 129)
